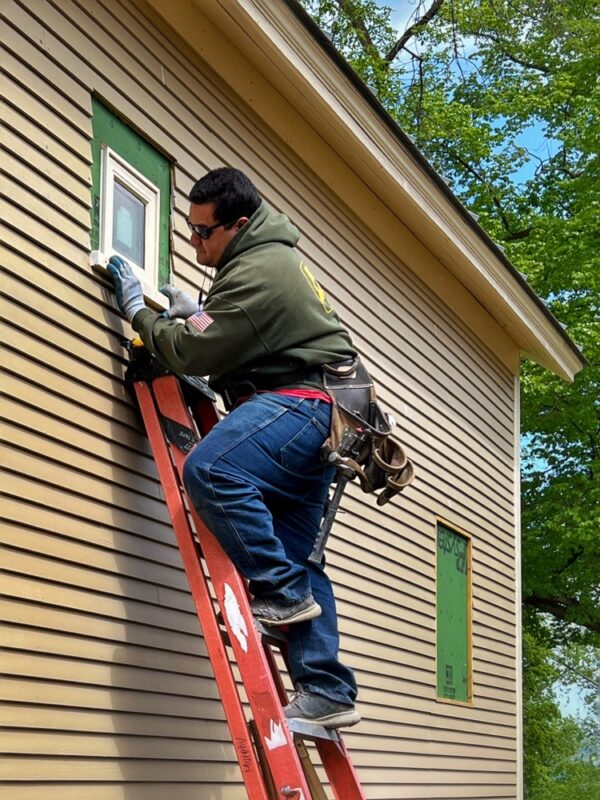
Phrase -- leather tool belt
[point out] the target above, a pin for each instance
(361, 434)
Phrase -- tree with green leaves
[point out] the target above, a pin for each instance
(560, 755)
(503, 98)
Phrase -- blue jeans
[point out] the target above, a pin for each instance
(258, 483)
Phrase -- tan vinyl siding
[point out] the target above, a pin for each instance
(109, 694)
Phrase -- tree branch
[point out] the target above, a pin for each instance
(413, 29)
(357, 21)
(581, 675)
(511, 235)
(559, 607)
(575, 555)
(510, 56)
(522, 234)
(457, 55)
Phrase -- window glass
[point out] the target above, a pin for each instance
(128, 226)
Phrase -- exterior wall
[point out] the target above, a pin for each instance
(109, 693)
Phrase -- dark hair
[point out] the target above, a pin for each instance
(232, 192)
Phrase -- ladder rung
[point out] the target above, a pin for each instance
(306, 730)
(270, 635)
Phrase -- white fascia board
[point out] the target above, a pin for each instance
(287, 53)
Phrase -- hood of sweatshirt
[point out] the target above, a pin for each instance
(265, 226)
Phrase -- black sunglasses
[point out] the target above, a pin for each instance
(204, 231)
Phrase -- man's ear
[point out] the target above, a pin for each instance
(240, 223)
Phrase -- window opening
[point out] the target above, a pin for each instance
(453, 600)
(131, 191)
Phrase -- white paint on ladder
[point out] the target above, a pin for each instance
(236, 621)
(277, 737)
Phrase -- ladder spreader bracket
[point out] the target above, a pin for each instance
(306, 730)
(271, 635)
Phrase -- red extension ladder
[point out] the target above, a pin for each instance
(273, 758)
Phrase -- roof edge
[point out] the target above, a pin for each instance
(393, 126)
(278, 61)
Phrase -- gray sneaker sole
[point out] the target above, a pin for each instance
(341, 719)
(300, 616)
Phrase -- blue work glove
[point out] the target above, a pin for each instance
(181, 304)
(128, 289)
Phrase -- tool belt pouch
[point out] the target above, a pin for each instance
(380, 463)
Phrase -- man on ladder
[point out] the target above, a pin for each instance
(257, 479)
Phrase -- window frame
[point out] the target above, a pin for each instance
(116, 169)
(143, 169)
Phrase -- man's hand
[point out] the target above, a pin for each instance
(128, 289)
(181, 304)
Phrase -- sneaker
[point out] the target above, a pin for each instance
(317, 709)
(270, 613)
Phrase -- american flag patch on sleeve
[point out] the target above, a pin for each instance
(201, 321)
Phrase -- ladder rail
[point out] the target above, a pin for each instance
(339, 769)
(245, 640)
(269, 738)
(226, 684)
(332, 751)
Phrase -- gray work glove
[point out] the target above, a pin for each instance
(128, 289)
(181, 304)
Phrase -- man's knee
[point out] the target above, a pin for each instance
(196, 475)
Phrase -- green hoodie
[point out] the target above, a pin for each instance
(265, 314)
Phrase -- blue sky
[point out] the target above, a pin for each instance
(402, 10)
(532, 138)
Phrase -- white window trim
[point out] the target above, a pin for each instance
(114, 166)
